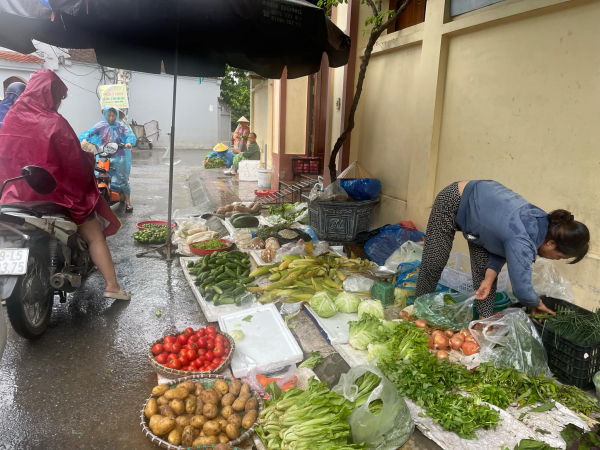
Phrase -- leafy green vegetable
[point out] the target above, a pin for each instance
(283, 212)
(371, 307)
(210, 245)
(543, 408)
(539, 430)
(578, 439)
(530, 444)
(214, 163)
(247, 318)
(313, 361)
(322, 304)
(346, 302)
(363, 332)
(237, 335)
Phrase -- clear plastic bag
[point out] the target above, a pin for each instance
(357, 283)
(510, 340)
(288, 375)
(332, 193)
(389, 239)
(451, 312)
(320, 248)
(293, 248)
(387, 430)
(409, 251)
(548, 281)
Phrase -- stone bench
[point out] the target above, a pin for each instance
(248, 170)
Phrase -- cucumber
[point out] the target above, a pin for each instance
(238, 214)
(217, 289)
(245, 221)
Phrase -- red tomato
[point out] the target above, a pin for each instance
(176, 348)
(184, 360)
(172, 356)
(226, 351)
(212, 336)
(212, 367)
(192, 369)
(197, 363)
(175, 364)
(201, 343)
(226, 343)
(201, 332)
(219, 338)
(218, 351)
(158, 349)
(201, 352)
(192, 339)
(168, 347)
(209, 356)
(182, 339)
(170, 339)
(211, 329)
(189, 331)
(216, 361)
(162, 358)
(191, 354)
(210, 344)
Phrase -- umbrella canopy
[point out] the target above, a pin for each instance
(263, 36)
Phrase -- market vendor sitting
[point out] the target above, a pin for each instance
(252, 153)
(220, 152)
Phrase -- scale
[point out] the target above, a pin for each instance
(383, 289)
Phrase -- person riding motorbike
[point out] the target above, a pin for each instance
(112, 130)
(13, 91)
(34, 133)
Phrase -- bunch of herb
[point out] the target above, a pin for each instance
(584, 329)
(578, 438)
(214, 163)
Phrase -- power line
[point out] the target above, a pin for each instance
(70, 82)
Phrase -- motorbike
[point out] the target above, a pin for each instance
(103, 179)
(41, 256)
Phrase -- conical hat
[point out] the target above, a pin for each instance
(243, 119)
(220, 147)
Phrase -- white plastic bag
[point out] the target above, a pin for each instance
(332, 193)
(287, 374)
(320, 248)
(387, 430)
(409, 251)
(293, 248)
(357, 283)
(548, 281)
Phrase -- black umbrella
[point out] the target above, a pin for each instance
(191, 37)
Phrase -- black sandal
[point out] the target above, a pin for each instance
(128, 209)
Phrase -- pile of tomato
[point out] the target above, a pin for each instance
(193, 351)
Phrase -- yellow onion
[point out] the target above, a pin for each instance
(440, 342)
(449, 333)
(441, 354)
(470, 348)
(456, 341)
(421, 323)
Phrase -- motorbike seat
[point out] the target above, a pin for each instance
(37, 209)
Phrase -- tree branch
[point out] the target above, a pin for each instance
(373, 7)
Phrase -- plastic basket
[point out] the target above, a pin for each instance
(571, 363)
(457, 275)
(209, 251)
(306, 165)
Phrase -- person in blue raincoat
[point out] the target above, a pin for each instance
(221, 151)
(12, 94)
(112, 130)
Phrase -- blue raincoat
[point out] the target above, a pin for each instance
(226, 156)
(12, 94)
(103, 133)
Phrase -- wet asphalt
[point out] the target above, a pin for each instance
(82, 385)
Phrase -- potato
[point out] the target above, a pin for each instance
(223, 422)
(252, 405)
(177, 406)
(159, 390)
(219, 396)
(190, 404)
(177, 393)
(165, 410)
(199, 406)
(151, 408)
(189, 385)
(240, 403)
(212, 428)
(154, 420)
(175, 437)
(223, 438)
(210, 440)
(162, 400)
(188, 436)
(183, 421)
(198, 421)
(245, 389)
(199, 389)
(221, 386)
(227, 411)
(249, 419)
(233, 432)
(234, 387)
(163, 426)
(210, 411)
(209, 396)
(235, 420)
(227, 400)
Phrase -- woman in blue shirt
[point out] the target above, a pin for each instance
(500, 227)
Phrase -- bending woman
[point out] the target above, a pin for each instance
(34, 133)
(112, 130)
(500, 227)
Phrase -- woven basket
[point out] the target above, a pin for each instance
(173, 373)
(206, 380)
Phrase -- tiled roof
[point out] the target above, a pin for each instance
(19, 57)
(87, 55)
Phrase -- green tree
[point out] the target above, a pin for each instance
(235, 90)
(376, 24)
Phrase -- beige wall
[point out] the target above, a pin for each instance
(295, 118)
(260, 117)
(510, 92)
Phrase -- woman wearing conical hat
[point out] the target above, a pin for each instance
(243, 130)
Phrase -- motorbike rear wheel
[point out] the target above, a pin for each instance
(29, 307)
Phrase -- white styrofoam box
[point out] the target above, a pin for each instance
(248, 170)
(268, 344)
(335, 329)
(457, 275)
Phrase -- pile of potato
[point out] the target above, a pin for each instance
(190, 415)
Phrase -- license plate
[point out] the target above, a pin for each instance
(13, 261)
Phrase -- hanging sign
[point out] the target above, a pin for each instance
(113, 95)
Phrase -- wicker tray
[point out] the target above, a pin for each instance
(206, 379)
(170, 373)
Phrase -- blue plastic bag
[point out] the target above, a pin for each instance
(361, 188)
(388, 240)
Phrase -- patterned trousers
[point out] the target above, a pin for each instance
(441, 229)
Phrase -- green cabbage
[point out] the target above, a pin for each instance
(237, 335)
(363, 332)
(322, 304)
(346, 302)
(372, 307)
